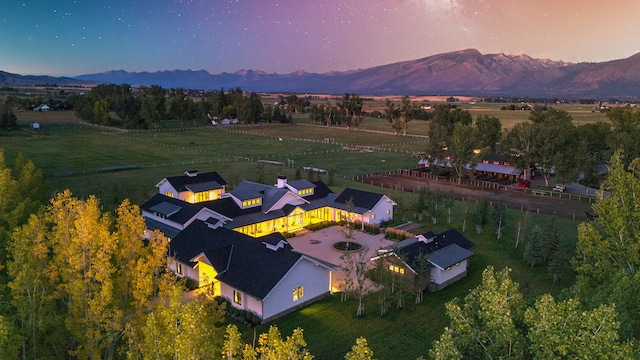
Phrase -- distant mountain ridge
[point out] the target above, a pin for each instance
(33, 80)
(465, 72)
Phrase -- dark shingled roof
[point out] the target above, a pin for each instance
(412, 248)
(239, 259)
(362, 199)
(180, 183)
(449, 256)
(301, 184)
(162, 202)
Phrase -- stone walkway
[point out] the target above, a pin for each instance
(319, 244)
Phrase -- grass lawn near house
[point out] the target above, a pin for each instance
(331, 327)
(71, 154)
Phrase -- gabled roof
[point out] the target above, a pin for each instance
(168, 231)
(300, 184)
(321, 191)
(272, 196)
(430, 243)
(247, 194)
(165, 208)
(164, 203)
(203, 186)
(449, 256)
(201, 182)
(499, 169)
(361, 198)
(242, 262)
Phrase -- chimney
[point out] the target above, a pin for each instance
(282, 181)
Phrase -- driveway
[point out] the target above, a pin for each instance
(319, 244)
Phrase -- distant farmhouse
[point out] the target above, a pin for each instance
(42, 107)
(232, 242)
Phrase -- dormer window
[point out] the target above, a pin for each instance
(305, 191)
(250, 203)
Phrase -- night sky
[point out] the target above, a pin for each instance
(67, 37)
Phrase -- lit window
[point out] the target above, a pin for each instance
(168, 193)
(250, 202)
(298, 293)
(457, 264)
(237, 297)
(449, 268)
(388, 212)
(391, 267)
(179, 268)
(373, 216)
(402, 271)
(202, 196)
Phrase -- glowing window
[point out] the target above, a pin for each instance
(168, 193)
(250, 202)
(305, 191)
(179, 268)
(388, 212)
(449, 268)
(237, 297)
(298, 293)
(373, 216)
(202, 196)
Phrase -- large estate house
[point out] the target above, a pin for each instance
(263, 275)
(233, 241)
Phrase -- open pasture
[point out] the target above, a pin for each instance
(581, 113)
(75, 155)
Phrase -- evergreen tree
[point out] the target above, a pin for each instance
(533, 250)
(551, 239)
(481, 214)
(559, 266)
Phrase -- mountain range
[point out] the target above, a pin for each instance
(465, 72)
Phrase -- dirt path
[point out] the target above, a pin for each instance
(516, 199)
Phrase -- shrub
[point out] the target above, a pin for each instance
(373, 229)
(397, 235)
(191, 284)
(319, 226)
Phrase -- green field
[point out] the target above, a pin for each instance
(74, 155)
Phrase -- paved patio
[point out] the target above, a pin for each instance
(319, 244)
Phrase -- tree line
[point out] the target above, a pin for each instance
(148, 106)
(548, 144)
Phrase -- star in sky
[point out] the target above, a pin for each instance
(69, 37)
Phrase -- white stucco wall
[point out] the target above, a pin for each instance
(380, 211)
(187, 271)
(248, 302)
(440, 276)
(165, 187)
(315, 279)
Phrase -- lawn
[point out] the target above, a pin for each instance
(73, 155)
(331, 327)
